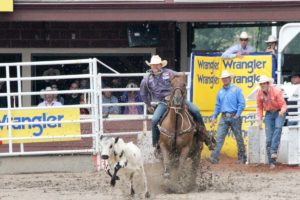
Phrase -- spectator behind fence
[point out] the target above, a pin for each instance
(132, 97)
(58, 97)
(241, 49)
(71, 99)
(84, 84)
(270, 99)
(49, 99)
(271, 44)
(107, 97)
(116, 83)
(231, 103)
(51, 72)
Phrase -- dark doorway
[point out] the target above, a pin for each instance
(123, 63)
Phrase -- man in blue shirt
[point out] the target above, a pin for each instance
(239, 50)
(231, 103)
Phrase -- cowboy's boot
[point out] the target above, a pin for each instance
(207, 138)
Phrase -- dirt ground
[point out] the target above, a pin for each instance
(226, 180)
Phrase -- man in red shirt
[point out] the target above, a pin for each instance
(270, 99)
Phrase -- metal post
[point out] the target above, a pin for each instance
(20, 97)
(9, 114)
(95, 105)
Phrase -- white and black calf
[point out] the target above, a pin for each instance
(123, 156)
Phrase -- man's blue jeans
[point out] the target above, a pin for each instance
(223, 127)
(273, 123)
(159, 112)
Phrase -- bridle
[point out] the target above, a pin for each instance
(183, 94)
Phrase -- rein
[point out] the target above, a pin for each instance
(178, 110)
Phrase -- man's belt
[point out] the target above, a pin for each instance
(272, 111)
(229, 114)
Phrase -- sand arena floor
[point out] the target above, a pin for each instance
(226, 180)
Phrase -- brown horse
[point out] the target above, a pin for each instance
(178, 138)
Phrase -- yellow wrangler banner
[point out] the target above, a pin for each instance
(6, 6)
(39, 130)
(206, 70)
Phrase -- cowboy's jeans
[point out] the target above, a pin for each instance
(159, 112)
(273, 123)
(223, 127)
(157, 115)
(195, 112)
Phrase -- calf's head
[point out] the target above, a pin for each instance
(107, 146)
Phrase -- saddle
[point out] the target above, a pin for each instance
(201, 131)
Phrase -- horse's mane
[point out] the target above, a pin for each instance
(179, 76)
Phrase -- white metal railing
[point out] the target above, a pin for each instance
(90, 103)
(93, 102)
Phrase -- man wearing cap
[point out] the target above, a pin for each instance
(271, 100)
(239, 50)
(272, 48)
(49, 99)
(231, 103)
(295, 80)
(156, 87)
(271, 44)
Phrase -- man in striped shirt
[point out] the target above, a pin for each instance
(271, 100)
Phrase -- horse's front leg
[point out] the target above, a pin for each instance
(183, 156)
(166, 160)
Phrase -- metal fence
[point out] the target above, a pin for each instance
(92, 101)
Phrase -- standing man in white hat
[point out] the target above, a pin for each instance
(271, 44)
(241, 49)
(271, 100)
(156, 87)
(231, 103)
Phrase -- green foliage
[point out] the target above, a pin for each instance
(219, 39)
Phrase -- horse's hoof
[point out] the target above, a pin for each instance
(147, 194)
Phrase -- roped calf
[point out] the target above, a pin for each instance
(125, 156)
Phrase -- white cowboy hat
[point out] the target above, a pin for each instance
(51, 72)
(48, 89)
(226, 74)
(244, 35)
(155, 59)
(271, 38)
(131, 85)
(264, 79)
